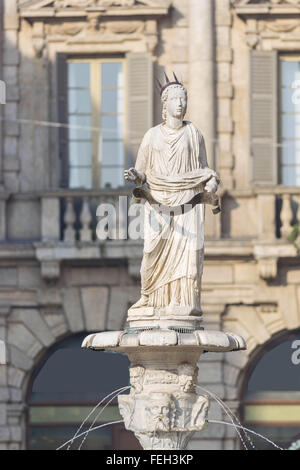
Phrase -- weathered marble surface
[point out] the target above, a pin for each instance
(172, 163)
(2, 353)
(213, 341)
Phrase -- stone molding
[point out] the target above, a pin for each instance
(270, 25)
(78, 9)
(268, 7)
(94, 23)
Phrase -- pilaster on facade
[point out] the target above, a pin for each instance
(224, 85)
(10, 74)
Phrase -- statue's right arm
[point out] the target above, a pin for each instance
(138, 173)
(142, 156)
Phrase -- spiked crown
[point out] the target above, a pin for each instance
(168, 83)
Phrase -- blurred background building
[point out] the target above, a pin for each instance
(80, 77)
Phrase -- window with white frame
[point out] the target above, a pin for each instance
(95, 116)
(104, 107)
(289, 120)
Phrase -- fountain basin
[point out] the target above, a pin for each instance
(163, 409)
(204, 340)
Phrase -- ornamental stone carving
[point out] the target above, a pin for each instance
(265, 2)
(161, 420)
(76, 24)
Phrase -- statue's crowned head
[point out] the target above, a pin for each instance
(174, 98)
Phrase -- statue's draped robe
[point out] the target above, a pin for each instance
(175, 165)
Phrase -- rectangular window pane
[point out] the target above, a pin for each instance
(78, 75)
(290, 101)
(112, 177)
(290, 71)
(80, 153)
(112, 127)
(80, 127)
(71, 414)
(112, 74)
(79, 101)
(112, 152)
(291, 175)
(112, 101)
(291, 152)
(80, 177)
(51, 437)
(290, 126)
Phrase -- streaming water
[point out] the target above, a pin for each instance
(227, 412)
(117, 392)
(212, 421)
(120, 390)
(86, 432)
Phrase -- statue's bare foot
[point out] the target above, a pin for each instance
(143, 302)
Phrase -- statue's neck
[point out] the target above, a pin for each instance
(173, 122)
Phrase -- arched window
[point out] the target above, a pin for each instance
(271, 403)
(65, 388)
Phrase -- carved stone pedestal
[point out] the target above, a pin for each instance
(163, 409)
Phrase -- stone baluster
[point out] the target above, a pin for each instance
(101, 229)
(123, 217)
(3, 217)
(69, 220)
(113, 217)
(85, 219)
(286, 216)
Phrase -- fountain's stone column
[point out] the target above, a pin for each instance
(163, 409)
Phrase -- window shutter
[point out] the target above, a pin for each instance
(62, 117)
(263, 117)
(139, 101)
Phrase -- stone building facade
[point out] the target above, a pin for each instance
(56, 279)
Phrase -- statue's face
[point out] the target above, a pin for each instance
(176, 103)
(158, 415)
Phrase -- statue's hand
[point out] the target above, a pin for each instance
(211, 186)
(134, 176)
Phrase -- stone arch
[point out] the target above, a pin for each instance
(29, 340)
(77, 388)
(32, 331)
(258, 354)
(260, 325)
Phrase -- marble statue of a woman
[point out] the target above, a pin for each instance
(172, 164)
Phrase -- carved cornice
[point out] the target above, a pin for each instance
(45, 10)
(94, 22)
(257, 8)
(273, 20)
